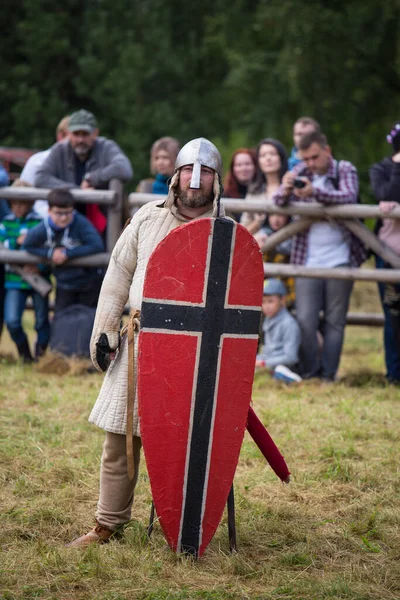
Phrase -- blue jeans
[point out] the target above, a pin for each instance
(14, 307)
(332, 297)
(390, 335)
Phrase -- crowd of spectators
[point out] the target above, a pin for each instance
(58, 229)
(294, 347)
(312, 174)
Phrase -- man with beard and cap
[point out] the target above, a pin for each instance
(85, 160)
(194, 192)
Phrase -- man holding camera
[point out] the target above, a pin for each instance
(325, 244)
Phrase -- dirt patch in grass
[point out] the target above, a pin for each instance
(6, 358)
(58, 364)
(364, 378)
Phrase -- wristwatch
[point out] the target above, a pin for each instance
(87, 177)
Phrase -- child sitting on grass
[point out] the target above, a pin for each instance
(282, 336)
(13, 230)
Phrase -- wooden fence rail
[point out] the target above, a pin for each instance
(342, 211)
(20, 257)
(111, 198)
(106, 197)
(347, 215)
(382, 275)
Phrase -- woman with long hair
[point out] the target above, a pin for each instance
(241, 174)
(272, 164)
(242, 171)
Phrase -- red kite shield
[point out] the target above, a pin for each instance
(197, 348)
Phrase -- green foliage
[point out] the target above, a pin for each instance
(234, 71)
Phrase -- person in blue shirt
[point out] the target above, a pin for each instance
(63, 235)
(282, 336)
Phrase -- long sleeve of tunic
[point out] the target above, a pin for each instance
(124, 280)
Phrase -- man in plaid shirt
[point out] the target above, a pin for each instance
(324, 244)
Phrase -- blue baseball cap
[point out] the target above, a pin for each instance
(274, 287)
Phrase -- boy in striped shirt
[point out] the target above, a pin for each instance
(13, 230)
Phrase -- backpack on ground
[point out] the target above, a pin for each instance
(71, 330)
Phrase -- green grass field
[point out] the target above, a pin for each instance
(334, 532)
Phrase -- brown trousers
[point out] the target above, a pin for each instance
(116, 490)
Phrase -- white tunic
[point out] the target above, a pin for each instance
(124, 279)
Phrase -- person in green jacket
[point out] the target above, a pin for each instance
(13, 230)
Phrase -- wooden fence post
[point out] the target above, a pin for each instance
(114, 214)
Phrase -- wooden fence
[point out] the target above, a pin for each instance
(305, 214)
(112, 198)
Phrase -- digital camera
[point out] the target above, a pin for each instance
(299, 183)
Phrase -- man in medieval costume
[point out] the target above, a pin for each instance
(194, 193)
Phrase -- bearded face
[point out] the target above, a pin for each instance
(82, 142)
(196, 198)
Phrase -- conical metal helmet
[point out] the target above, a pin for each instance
(199, 152)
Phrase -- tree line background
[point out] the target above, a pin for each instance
(234, 71)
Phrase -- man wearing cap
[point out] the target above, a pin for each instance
(84, 160)
(194, 192)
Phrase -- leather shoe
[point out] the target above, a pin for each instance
(98, 535)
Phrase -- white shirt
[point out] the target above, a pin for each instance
(28, 174)
(326, 245)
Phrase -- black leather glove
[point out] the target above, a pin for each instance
(103, 351)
